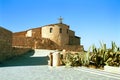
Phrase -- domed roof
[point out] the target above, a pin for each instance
(59, 24)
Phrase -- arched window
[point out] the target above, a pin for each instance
(51, 29)
(60, 30)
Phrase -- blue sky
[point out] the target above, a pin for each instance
(92, 20)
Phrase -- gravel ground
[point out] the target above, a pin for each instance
(33, 66)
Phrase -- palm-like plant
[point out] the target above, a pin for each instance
(103, 56)
(99, 56)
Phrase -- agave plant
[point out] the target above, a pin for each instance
(103, 56)
(85, 59)
(113, 55)
(74, 59)
(99, 56)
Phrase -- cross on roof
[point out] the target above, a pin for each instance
(60, 19)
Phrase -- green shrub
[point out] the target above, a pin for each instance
(103, 56)
(98, 56)
(77, 59)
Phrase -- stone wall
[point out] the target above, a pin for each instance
(6, 49)
(74, 40)
(20, 51)
(71, 33)
(20, 34)
(42, 43)
(60, 38)
(35, 32)
(35, 43)
(5, 44)
(73, 47)
(77, 40)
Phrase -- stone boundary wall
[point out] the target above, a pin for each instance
(34, 43)
(15, 52)
(5, 43)
(6, 49)
(20, 34)
(20, 51)
(73, 47)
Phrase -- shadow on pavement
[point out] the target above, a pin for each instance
(25, 60)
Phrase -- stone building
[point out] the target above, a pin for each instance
(53, 36)
(5, 44)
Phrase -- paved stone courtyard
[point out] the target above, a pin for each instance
(33, 66)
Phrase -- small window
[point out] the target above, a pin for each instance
(60, 30)
(51, 29)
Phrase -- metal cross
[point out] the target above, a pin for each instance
(60, 19)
